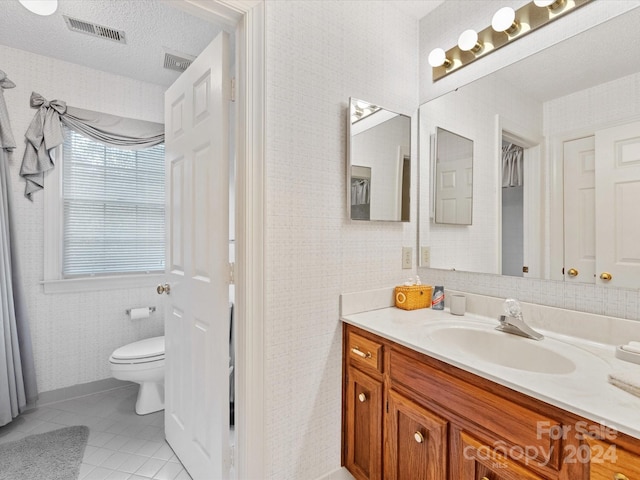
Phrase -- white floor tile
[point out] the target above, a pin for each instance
(169, 472)
(150, 467)
(133, 463)
(98, 473)
(118, 476)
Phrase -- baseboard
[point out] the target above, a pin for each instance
(80, 390)
(339, 474)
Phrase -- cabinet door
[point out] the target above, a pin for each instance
(415, 441)
(363, 418)
(610, 462)
(478, 461)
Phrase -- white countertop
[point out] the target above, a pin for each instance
(585, 391)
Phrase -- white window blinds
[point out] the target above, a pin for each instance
(113, 203)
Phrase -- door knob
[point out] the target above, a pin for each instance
(166, 288)
(418, 437)
(362, 397)
(573, 272)
(620, 476)
(606, 276)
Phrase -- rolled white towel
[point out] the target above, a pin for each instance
(628, 381)
(631, 347)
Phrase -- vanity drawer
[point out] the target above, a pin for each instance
(364, 352)
(503, 419)
(610, 462)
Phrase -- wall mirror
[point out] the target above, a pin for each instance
(379, 163)
(556, 169)
(453, 178)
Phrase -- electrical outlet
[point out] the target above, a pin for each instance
(407, 257)
(425, 256)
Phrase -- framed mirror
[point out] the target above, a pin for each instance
(556, 179)
(453, 179)
(378, 164)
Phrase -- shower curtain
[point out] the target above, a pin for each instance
(17, 371)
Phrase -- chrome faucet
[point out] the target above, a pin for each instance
(513, 322)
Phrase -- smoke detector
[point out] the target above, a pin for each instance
(177, 61)
(95, 30)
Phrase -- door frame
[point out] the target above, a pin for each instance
(532, 168)
(247, 18)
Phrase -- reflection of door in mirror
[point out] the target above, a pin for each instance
(521, 206)
(453, 178)
(512, 209)
(602, 181)
(579, 210)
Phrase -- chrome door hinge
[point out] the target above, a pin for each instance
(233, 89)
(232, 273)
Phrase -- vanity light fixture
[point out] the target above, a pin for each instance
(40, 7)
(507, 25)
(468, 42)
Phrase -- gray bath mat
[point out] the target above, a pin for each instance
(54, 455)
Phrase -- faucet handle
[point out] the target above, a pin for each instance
(512, 307)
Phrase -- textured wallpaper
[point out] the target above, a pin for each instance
(318, 54)
(73, 333)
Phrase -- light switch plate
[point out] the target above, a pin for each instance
(425, 256)
(407, 257)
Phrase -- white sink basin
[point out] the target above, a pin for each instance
(486, 344)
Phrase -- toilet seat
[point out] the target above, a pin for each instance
(148, 351)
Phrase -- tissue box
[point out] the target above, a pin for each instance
(413, 297)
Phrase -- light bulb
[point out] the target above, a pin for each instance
(504, 20)
(550, 4)
(40, 7)
(468, 41)
(438, 57)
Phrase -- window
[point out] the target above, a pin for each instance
(110, 211)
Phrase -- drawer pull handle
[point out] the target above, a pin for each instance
(362, 397)
(620, 476)
(484, 478)
(360, 353)
(418, 437)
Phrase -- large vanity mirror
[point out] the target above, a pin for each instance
(379, 163)
(556, 164)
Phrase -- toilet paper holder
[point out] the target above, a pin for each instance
(151, 310)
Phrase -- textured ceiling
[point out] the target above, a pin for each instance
(150, 27)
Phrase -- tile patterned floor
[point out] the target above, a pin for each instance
(122, 445)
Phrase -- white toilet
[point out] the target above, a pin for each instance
(142, 362)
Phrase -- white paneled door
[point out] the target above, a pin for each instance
(197, 262)
(617, 203)
(579, 210)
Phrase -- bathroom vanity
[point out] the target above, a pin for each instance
(416, 408)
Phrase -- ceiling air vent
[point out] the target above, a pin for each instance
(76, 25)
(177, 61)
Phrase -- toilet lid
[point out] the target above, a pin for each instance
(151, 347)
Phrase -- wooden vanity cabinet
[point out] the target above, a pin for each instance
(408, 416)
